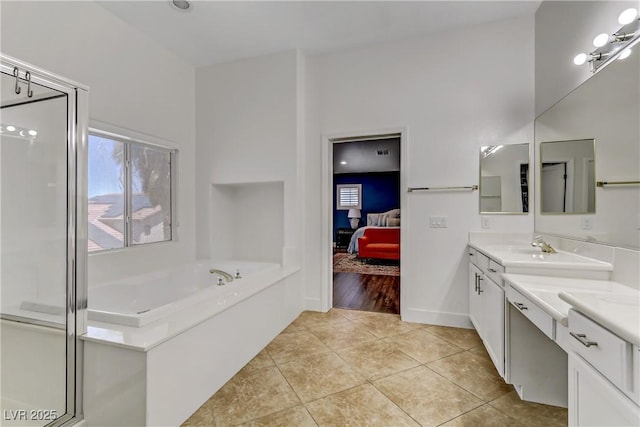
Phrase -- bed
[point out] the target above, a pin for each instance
(375, 220)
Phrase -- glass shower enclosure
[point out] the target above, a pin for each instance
(43, 122)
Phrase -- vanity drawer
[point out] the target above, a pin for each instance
(605, 351)
(482, 261)
(531, 311)
(494, 271)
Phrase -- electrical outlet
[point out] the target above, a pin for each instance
(587, 222)
(438, 222)
(484, 222)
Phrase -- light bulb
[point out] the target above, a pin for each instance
(627, 16)
(11, 128)
(343, 162)
(580, 59)
(33, 132)
(625, 54)
(601, 39)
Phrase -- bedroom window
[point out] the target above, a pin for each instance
(348, 196)
(130, 192)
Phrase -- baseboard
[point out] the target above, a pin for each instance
(312, 304)
(439, 318)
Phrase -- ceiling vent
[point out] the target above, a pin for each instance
(383, 152)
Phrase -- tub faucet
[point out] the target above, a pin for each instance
(544, 246)
(227, 276)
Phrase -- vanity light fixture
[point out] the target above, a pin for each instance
(490, 150)
(18, 132)
(627, 16)
(343, 162)
(601, 39)
(608, 46)
(625, 53)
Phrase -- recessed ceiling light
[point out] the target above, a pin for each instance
(181, 4)
(11, 128)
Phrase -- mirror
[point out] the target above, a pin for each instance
(600, 115)
(567, 177)
(504, 179)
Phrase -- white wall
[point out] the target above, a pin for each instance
(563, 30)
(134, 84)
(452, 97)
(247, 132)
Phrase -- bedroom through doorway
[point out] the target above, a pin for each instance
(366, 223)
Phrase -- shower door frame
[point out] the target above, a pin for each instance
(76, 289)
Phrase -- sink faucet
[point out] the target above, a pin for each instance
(544, 246)
(227, 276)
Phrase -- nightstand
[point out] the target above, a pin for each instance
(343, 237)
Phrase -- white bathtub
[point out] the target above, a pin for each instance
(139, 300)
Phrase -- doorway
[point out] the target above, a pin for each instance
(554, 187)
(365, 223)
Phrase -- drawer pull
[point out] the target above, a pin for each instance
(476, 290)
(521, 306)
(583, 339)
(480, 278)
(493, 270)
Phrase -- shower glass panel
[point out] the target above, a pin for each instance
(34, 275)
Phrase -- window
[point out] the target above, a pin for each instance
(130, 192)
(348, 196)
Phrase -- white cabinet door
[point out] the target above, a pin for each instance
(593, 401)
(475, 298)
(493, 321)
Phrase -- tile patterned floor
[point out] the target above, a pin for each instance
(354, 368)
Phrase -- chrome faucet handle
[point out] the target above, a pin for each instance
(238, 276)
(220, 281)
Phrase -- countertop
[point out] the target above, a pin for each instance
(525, 256)
(618, 312)
(613, 305)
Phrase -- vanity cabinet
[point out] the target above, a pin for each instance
(486, 305)
(603, 376)
(536, 363)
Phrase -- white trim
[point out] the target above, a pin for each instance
(326, 282)
(312, 304)
(431, 317)
(113, 131)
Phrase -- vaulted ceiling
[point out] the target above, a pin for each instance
(221, 31)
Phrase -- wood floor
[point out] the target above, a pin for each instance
(367, 292)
